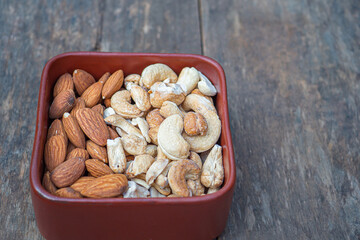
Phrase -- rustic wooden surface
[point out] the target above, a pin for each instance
(293, 72)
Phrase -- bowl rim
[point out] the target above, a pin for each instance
(35, 182)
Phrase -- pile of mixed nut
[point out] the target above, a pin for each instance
(148, 135)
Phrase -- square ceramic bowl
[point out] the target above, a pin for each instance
(201, 217)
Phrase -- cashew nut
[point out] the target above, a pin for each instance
(165, 191)
(108, 112)
(155, 169)
(135, 191)
(132, 78)
(212, 190)
(162, 181)
(188, 79)
(133, 144)
(179, 173)
(203, 106)
(169, 108)
(140, 165)
(196, 158)
(170, 140)
(121, 103)
(154, 118)
(155, 193)
(212, 175)
(116, 155)
(197, 189)
(195, 124)
(161, 92)
(197, 91)
(143, 126)
(141, 182)
(156, 73)
(151, 150)
(140, 96)
(128, 128)
(205, 86)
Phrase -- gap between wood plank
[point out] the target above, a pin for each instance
(201, 27)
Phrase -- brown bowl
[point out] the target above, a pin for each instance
(201, 217)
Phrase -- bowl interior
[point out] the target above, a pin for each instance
(99, 63)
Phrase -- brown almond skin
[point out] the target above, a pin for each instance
(81, 183)
(56, 128)
(55, 152)
(73, 130)
(97, 168)
(113, 84)
(104, 77)
(107, 102)
(79, 103)
(68, 193)
(98, 108)
(92, 94)
(62, 103)
(70, 147)
(68, 172)
(48, 184)
(107, 186)
(93, 125)
(78, 152)
(64, 82)
(82, 80)
(112, 133)
(96, 151)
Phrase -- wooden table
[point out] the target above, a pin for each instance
(293, 76)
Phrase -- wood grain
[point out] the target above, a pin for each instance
(293, 81)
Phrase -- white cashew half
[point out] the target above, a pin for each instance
(212, 175)
(212, 190)
(141, 182)
(108, 112)
(135, 191)
(169, 108)
(199, 104)
(205, 86)
(121, 103)
(116, 155)
(196, 158)
(155, 193)
(140, 165)
(188, 79)
(128, 128)
(133, 144)
(151, 150)
(162, 91)
(197, 189)
(172, 144)
(143, 126)
(140, 96)
(157, 73)
(155, 169)
(132, 78)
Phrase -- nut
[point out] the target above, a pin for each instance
(56, 128)
(68, 172)
(73, 131)
(161, 92)
(155, 193)
(140, 96)
(62, 103)
(197, 91)
(195, 186)
(108, 112)
(135, 191)
(97, 168)
(113, 84)
(107, 186)
(212, 190)
(132, 78)
(153, 134)
(205, 86)
(121, 103)
(116, 155)
(55, 151)
(188, 79)
(93, 125)
(124, 125)
(154, 118)
(68, 193)
(169, 108)
(92, 94)
(151, 150)
(104, 77)
(96, 151)
(48, 184)
(64, 82)
(179, 173)
(99, 109)
(112, 133)
(82, 80)
(143, 126)
(140, 165)
(79, 103)
(78, 152)
(156, 73)
(170, 140)
(164, 191)
(81, 183)
(195, 124)
(133, 144)
(199, 104)
(196, 158)
(155, 169)
(212, 175)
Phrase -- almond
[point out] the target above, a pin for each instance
(97, 168)
(98, 108)
(68, 172)
(64, 82)
(63, 102)
(81, 183)
(56, 128)
(107, 186)
(113, 84)
(93, 125)
(112, 133)
(104, 77)
(79, 103)
(92, 94)
(55, 151)
(73, 131)
(48, 184)
(96, 151)
(82, 80)
(68, 193)
(78, 152)
(107, 102)
(70, 147)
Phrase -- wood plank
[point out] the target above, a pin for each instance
(151, 26)
(31, 33)
(293, 81)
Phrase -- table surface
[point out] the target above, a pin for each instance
(293, 76)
